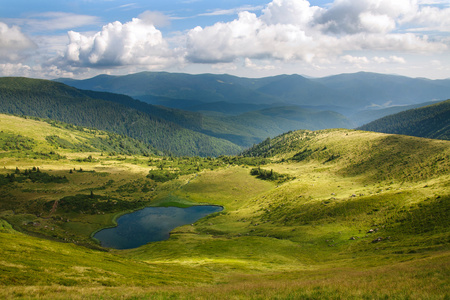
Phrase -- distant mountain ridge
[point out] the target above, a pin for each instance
(345, 93)
(432, 121)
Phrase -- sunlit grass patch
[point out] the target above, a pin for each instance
(334, 230)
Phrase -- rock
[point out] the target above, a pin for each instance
(352, 238)
(371, 231)
(379, 239)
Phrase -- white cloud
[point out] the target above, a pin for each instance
(248, 63)
(61, 21)
(52, 21)
(232, 11)
(292, 12)
(19, 69)
(293, 30)
(389, 60)
(224, 67)
(376, 23)
(155, 18)
(133, 43)
(432, 18)
(13, 43)
(434, 2)
(348, 59)
(372, 16)
(285, 32)
(407, 42)
(248, 36)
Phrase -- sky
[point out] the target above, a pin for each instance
(249, 38)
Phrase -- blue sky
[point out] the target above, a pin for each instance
(253, 38)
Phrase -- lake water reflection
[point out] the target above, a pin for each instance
(150, 224)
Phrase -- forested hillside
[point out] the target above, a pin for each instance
(431, 121)
(167, 129)
(366, 116)
(47, 99)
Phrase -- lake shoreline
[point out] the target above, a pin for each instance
(149, 224)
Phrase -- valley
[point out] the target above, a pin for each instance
(225, 150)
(334, 213)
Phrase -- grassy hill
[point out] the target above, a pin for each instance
(432, 121)
(338, 214)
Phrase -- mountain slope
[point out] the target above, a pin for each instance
(377, 156)
(253, 127)
(57, 101)
(23, 136)
(431, 121)
(299, 90)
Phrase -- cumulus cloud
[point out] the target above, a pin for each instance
(137, 42)
(298, 12)
(370, 16)
(433, 18)
(248, 36)
(13, 43)
(285, 30)
(293, 30)
(10, 69)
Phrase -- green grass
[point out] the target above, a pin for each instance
(305, 238)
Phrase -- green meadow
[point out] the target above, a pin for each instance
(331, 214)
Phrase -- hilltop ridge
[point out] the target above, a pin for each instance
(431, 121)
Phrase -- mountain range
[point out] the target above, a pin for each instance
(212, 115)
(348, 94)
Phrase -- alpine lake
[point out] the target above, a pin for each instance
(150, 224)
